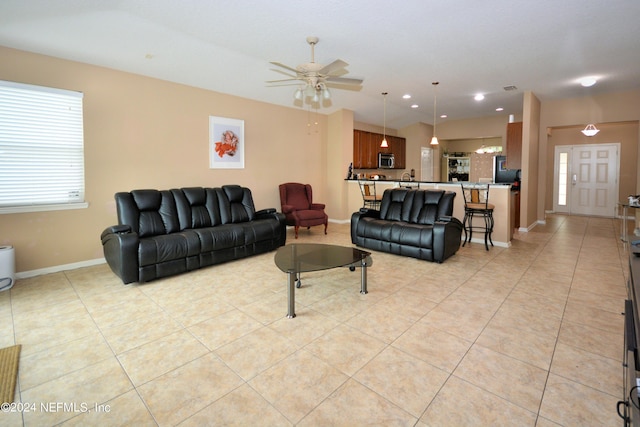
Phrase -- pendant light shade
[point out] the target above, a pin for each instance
(384, 143)
(434, 140)
(590, 130)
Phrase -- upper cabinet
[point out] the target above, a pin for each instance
(366, 146)
(514, 145)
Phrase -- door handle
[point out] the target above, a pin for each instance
(574, 179)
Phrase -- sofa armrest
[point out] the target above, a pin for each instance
(371, 213)
(120, 247)
(317, 206)
(266, 211)
(115, 229)
(447, 235)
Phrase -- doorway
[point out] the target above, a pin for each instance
(585, 180)
(426, 164)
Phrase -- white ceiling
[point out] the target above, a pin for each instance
(398, 47)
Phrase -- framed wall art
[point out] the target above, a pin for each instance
(226, 143)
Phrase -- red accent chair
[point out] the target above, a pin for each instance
(298, 207)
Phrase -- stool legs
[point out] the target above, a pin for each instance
(467, 224)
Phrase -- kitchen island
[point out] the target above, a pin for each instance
(500, 195)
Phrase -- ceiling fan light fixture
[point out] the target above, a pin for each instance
(298, 94)
(590, 130)
(326, 94)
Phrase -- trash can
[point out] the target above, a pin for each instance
(7, 267)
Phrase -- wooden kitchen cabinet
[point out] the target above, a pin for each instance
(398, 147)
(366, 146)
(514, 145)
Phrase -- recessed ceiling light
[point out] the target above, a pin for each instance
(510, 87)
(479, 97)
(149, 56)
(588, 81)
(414, 106)
(443, 116)
(499, 109)
(406, 96)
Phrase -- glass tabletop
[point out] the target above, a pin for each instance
(304, 257)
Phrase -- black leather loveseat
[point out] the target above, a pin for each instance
(415, 223)
(162, 233)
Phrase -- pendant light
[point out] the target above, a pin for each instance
(434, 140)
(384, 143)
(590, 130)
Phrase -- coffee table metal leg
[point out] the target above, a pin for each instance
(363, 277)
(291, 296)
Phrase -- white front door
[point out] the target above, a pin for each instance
(586, 179)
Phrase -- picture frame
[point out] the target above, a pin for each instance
(226, 143)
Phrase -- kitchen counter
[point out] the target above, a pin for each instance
(500, 195)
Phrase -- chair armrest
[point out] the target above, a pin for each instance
(288, 209)
(317, 206)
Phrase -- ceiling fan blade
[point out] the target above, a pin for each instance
(338, 64)
(280, 81)
(284, 66)
(345, 80)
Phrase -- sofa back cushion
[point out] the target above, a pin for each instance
(396, 204)
(445, 207)
(197, 207)
(416, 206)
(425, 206)
(235, 204)
(147, 212)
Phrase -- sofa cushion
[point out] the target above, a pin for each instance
(235, 204)
(147, 212)
(170, 247)
(197, 207)
(425, 207)
(396, 204)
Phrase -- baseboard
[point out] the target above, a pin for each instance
(340, 221)
(58, 268)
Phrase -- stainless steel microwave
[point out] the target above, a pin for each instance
(386, 161)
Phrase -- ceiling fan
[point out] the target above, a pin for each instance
(315, 77)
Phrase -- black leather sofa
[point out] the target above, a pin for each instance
(410, 222)
(162, 233)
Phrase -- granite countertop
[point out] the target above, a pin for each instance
(417, 182)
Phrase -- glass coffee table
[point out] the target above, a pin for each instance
(299, 258)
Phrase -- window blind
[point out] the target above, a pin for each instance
(41, 146)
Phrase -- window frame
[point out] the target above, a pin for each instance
(24, 107)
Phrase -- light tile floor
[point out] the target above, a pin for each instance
(529, 335)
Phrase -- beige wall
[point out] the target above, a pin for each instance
(616, 114)
(147, 133)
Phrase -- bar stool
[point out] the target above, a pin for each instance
(369, 197)
(476, 204)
